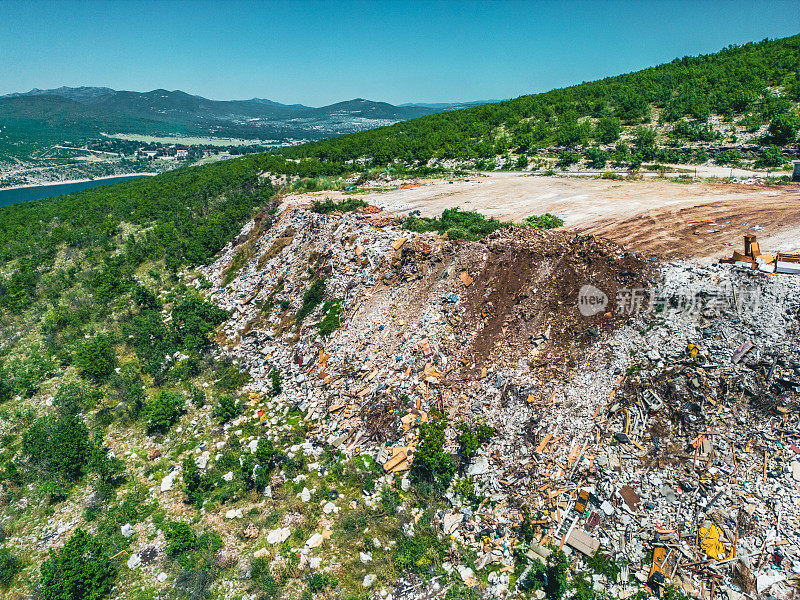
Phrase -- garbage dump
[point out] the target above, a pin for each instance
(781, 262)
(646, 414)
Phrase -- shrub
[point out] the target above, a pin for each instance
(459, 591)
(328, 206)
(772, 156)
(97, 357)
(607, 130)
(470, 439)
(190, 550)
(197, 396)
(456, 223)
(261, 578)
(129, 389)
(193, 320)
(320, 581)
(331, 316)
(597, 158)
(162, 411)
(180, 539)
(111, 470)
(783, 129)
(419, 553)
(555, 575)
(73, 398)
(432, 465)
(227, 408)
(144, 298)
(545, 221)
(6, 387)
(390, 499)
(566, 158)
(197, 486)
(277, 385)
(311, 299)
(268, 458)
(231, 378)
(81, 569)
(9, 566)
(58, 445)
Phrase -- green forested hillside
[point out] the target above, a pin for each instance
(750, 85)
(182, 217)
(31, 121)
(100, 337)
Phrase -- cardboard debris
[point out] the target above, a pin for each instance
(398, 462)
(753, 258)
(583, 542)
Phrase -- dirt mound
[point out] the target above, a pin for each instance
(524, 300)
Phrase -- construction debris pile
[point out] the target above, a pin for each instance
(661, 434)
(753, 258)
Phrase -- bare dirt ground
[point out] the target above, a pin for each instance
(651, 217)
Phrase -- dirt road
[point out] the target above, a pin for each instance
(646, 216)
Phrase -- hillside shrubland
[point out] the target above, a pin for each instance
(665, 114)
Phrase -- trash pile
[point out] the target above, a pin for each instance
(659, 433)
(782, 262)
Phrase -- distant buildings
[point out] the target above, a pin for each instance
(170, 153)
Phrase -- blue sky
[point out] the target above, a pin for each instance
(319, 52)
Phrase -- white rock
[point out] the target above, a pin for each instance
(234, 513)
(228, 476)
(465, 572)
(479, 466)
(305, 495)
(260, 553)
(162, 577)
(134, 561)
(451, 522)
(329, 508)
(278, 536)
(253, 446)
(202, 460)
(126, 530)
(369, 580)
(168, 481)
(315, 540)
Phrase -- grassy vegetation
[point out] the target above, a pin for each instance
(312, 298)
(469, 225)
(328, 206)
(545, 221)
(457, 224)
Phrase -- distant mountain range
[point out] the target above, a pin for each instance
(78, 113)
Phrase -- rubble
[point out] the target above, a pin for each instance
(664, 425)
